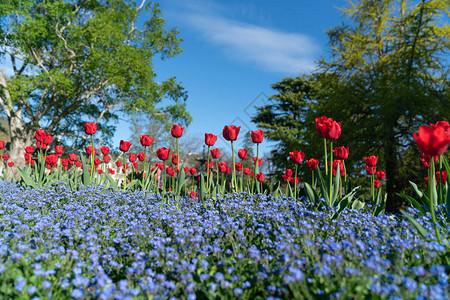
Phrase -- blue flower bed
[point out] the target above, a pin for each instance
(106, 244)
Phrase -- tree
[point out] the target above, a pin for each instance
(283, 118)
(83, 60)
(387, 75)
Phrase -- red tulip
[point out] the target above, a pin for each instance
(210, 139)
(286, 177)
(238, 166)
(242, 153)
(2, 144)
(41, 145)
(132, 158)
(193, 195)
(186, 170)
(78, 164)
(260, 161)
(260, 177)
(376, 183)
(27, 157)
(215, 153)
(111, 171)
(141, 156)
(247, 171)
(333, 131)
(425, 163)
(72, 156)
(327, 128)
(444, 176)
(59, 150)
(193, 171)
(163, 153)
(340, 152)
(445, 125)
(146, 140)
(40, 135)
(105, 150)
(124, 146)
(90, 128)
(177, 131)
(381, 175)
(288, 172)
(257, 136)
(5, 157)
(106, 159)
(48, 139)
(312, 163)
(294, 179)
(322, 124)
(100, 171)
(230, 133)
(341, 167)
(175, 159)
(89, 150)
(222, 167)
(97, 161)
(211, 164)
(160, 166)
(432, 141)
(297, 156)
(170, 171)
(29, 149)
(11, 164)
(135, 165)
(51, 159)
(118, 163)
(371, 170)
(371, 161)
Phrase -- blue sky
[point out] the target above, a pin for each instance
(234, 50)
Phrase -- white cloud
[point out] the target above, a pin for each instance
(268, 49)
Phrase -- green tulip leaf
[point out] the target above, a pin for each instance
(423, 232)
(27, 179)
(322, 186)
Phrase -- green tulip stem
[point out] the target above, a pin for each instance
(92, 157)
(144, 171)
(431, 180)
(175, 187)
(217, 174)
(330, 174)
(234, 182)
(326, 156)
(345, 171)
(124, 173)
(295, 182)
(256, 166)
(241, 189)
(312, 181)
(373, 187)
(207, 175)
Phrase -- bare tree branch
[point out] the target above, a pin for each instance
(83, 98)
(5, 97)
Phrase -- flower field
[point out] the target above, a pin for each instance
(169, 231)
(106, 244)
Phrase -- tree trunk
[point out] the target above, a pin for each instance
(393, 181)
(21, 137)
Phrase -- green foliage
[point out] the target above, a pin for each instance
(387, 75)
(283, 118)
(77, 61)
